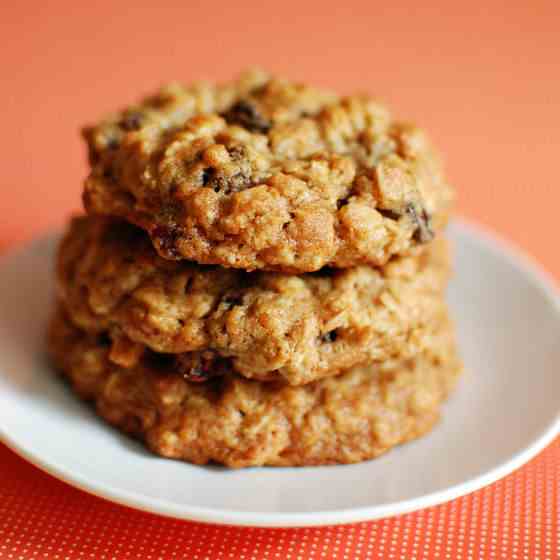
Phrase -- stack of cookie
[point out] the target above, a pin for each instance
(260, 278)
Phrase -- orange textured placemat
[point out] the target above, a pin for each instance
(515, 518)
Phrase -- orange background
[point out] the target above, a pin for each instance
(483, 77)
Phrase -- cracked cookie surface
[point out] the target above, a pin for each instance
(264, 325)
(240, 423)
(263, 173)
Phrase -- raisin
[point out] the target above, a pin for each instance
(240, 179)
(213, 179)
(159, 361)
(232, 300)
(166, 237)
(94, 156)
(199, 367)
(104, 339)
(132, 121)
(331, 336)
(112, 143)
(325, 272)
(423, 232)
(220, 183)
(197, 375)
(245, 114)
(207, 175)
(390, 214)
(342, 202)
(188, 285)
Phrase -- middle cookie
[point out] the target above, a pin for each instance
(265, 325)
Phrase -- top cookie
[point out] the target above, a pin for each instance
(262, 173)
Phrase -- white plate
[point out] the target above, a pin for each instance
(505, 410)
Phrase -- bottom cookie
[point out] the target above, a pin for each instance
(237, 422)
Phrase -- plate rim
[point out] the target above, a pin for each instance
(481, 236)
